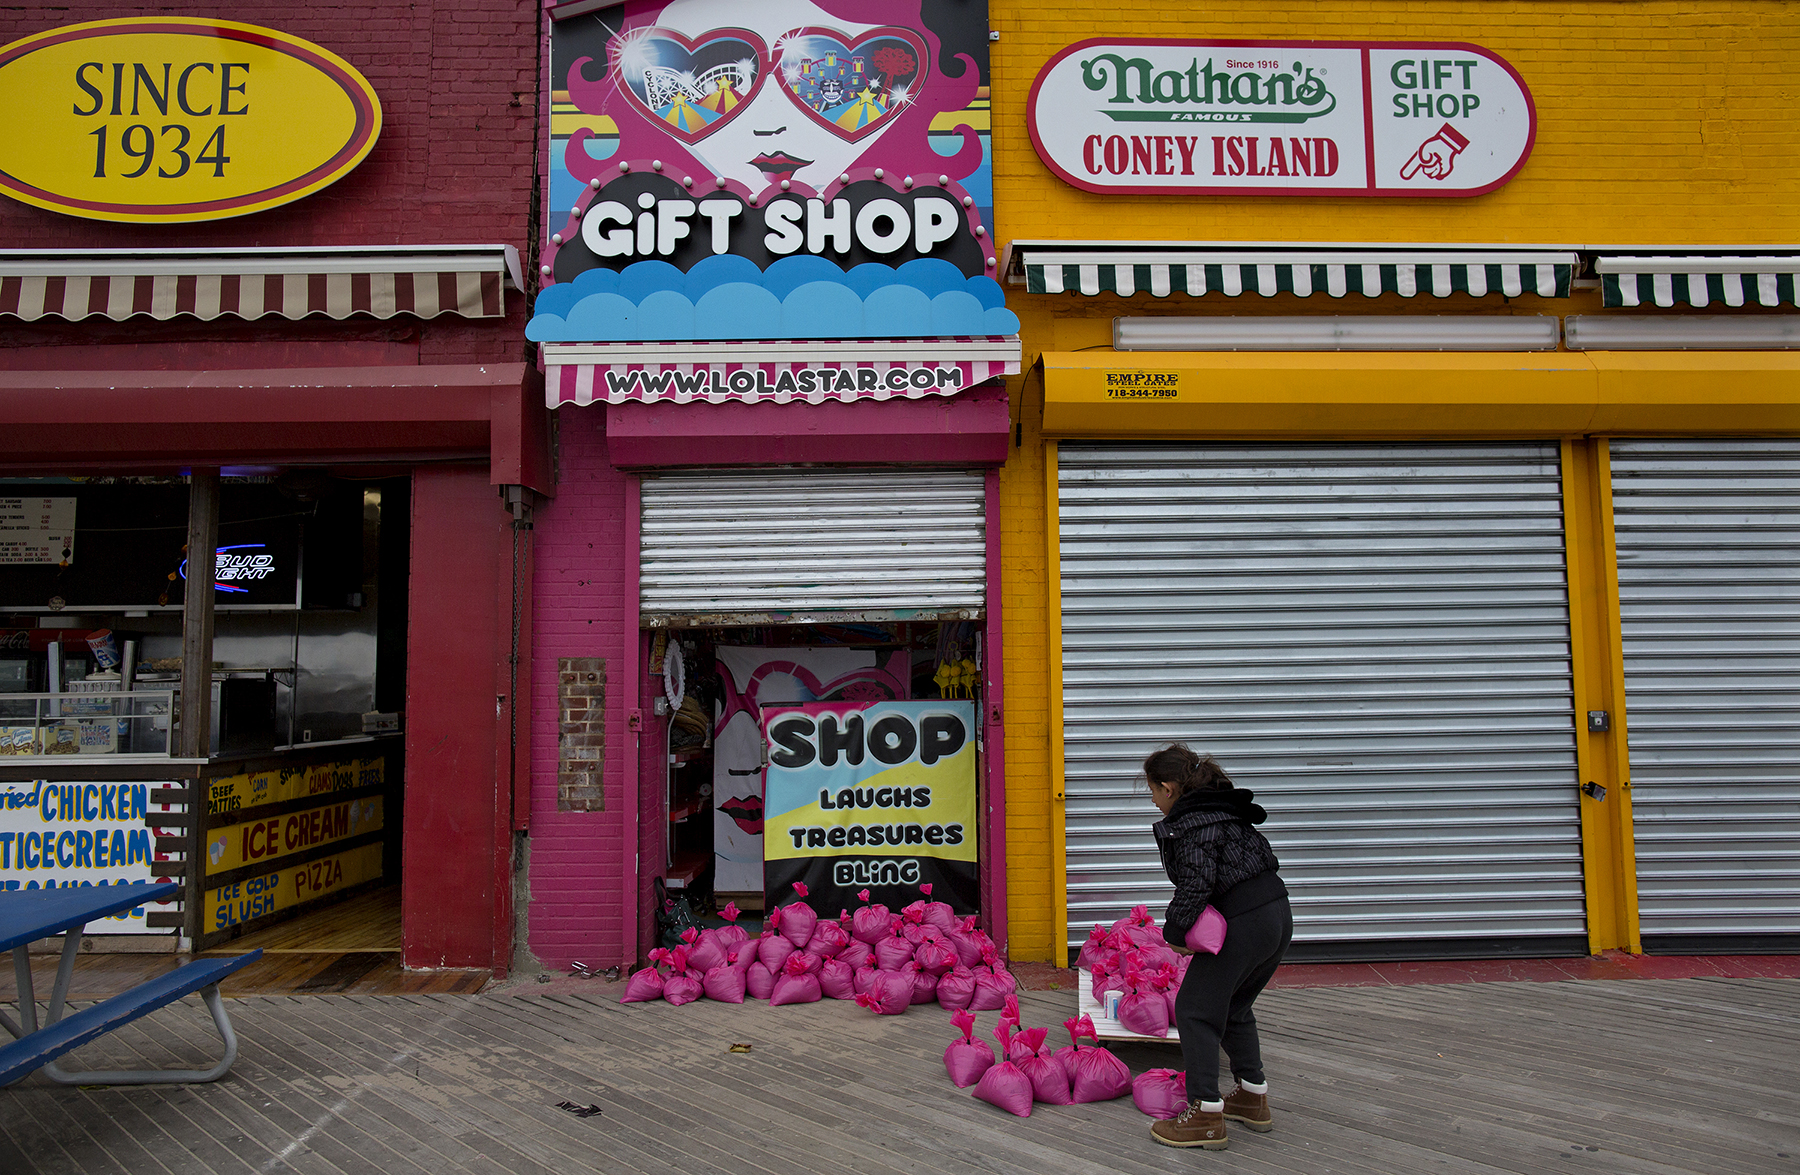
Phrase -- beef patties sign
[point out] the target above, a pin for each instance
(870, 795)
(1290, 118)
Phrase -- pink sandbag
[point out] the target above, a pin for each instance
(1108, 981)
(1095, 1075)
(990, 993)
(891, 954)
(741, 954)
(774, 950)
(864, 977)
(725, 984)
(1005, 1084)
(967, 1059)
(828, 939)
(798, 920)
(939, 914)
(935, 957)
(856, 952)
(1207, 933)
(795, 984)
(924, 984)
(682, 989)
(807, 961)
(1160, 1093)
(871, 924)
(956, 988)
(759, 981)
(837, 980)
(1145, 1012)
(968, 951)
(1049, 1084)
(1092, 948)
(705, 953)
(890, 993)
(643, 986)
(731, 932)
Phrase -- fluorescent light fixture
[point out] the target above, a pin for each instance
(1445, 332)
(1683, 332)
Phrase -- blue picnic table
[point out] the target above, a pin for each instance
(29, 915)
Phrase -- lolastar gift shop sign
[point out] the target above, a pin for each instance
(166, 119)
(1288, 118)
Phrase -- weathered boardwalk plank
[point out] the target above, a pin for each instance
(1638, 1077)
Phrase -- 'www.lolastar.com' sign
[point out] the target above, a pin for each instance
(754, 383)
(1281, 118)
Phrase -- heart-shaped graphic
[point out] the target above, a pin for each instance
(692, 87)
(851, 85)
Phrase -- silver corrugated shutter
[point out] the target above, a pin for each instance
(1708, 535)
(1374, 638)
(758, 543)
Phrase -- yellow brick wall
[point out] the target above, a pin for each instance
(1659, 124)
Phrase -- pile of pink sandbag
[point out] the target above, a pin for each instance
(885, 962)
(1028, 1070)
(1130, 957)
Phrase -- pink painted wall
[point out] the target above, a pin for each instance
(588, 897)
(585, 606)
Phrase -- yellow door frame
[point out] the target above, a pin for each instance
(1053, 645)
(1609, 862)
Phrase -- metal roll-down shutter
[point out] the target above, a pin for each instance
(1374, 638)
(1708, 539)
(761, 546)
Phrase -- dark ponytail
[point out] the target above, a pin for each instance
(1185, 771)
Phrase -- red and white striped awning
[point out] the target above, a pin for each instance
(380, 281)
(777, 372)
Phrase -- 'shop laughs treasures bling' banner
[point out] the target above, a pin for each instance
(876, 796)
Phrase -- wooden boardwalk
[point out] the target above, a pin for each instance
(1651, 1076)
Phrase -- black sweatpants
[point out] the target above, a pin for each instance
(1213, 1005)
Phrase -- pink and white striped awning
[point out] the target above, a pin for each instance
(776, 372)
(382, 282)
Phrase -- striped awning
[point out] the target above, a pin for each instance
(381, 281)
(772, 372)
(1300, 272)
(1698, 281)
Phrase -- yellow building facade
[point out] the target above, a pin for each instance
(1409, 561)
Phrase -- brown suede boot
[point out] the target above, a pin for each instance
(1252, 1109)
(1192, 1127)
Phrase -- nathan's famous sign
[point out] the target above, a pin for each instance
(1322, 118)
(162, 119)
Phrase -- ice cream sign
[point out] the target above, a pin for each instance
(1291, 118)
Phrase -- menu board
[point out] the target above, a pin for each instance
(37, 530)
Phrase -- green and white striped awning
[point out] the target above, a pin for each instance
(1698, 281)
(1302, 273)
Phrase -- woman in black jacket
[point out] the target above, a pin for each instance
(1215, 856)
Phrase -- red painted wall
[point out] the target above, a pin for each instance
(456, 900)
(585, 605)
(457, 81)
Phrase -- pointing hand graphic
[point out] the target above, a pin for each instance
(1436, 155)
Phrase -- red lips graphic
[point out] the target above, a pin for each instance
(748, 812)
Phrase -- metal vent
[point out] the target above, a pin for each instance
(751, 545)
(1374, 638)
(1708, 536)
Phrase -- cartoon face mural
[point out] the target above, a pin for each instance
(706, 102)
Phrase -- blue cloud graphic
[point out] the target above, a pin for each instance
(798, 297)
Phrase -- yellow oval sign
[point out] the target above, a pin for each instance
(166, 119)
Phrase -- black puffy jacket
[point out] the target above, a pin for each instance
(1214, 855)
